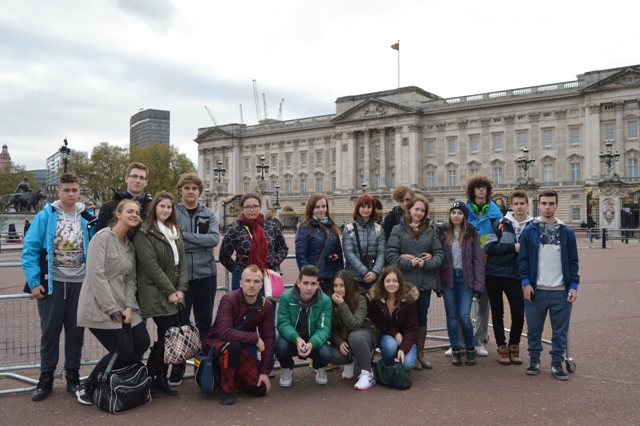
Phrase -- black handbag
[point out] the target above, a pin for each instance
(126, 388)
(393, 376)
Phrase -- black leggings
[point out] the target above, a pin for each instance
(109, 339)
(512, 288)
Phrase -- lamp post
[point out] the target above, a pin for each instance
(609, 158)
(364, 187)
(65, 152)
(525, 162)
(219, 172)
(262, 168)
(277, 189)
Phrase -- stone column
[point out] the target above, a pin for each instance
(401, 160)
(462, 151)
(619, 143)
(349, 164)
(560, 144)
(592, 142)
(415, 132)
(235, 168)
(535, 143)
(509, 148)
(609, 196)
(339, 176)
(383, 159)
(367, 158)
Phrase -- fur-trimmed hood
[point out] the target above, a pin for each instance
(411, 296)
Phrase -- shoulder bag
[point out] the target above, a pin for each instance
(126, 388)
(181, 343)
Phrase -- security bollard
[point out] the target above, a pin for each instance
(604, 238)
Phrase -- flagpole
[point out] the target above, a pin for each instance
(398, 64)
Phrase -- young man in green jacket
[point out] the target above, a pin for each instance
(304, 325)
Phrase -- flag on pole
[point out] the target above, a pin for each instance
(396, 46)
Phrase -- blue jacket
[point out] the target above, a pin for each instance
(484, 225)
(529, 250)
(308, 250)
(41, 236)
(500, 246)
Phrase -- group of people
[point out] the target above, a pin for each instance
(368, 286)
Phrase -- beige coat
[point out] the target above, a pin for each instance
(110, 282)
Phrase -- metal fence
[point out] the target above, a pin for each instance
(20, 340)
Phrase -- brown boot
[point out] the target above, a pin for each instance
(503, 355)
(514, 354)
(421, 360)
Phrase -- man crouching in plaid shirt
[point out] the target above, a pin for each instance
(234, 339)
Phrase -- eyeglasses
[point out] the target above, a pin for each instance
(251, 207)
(136, 177)
(481, 188)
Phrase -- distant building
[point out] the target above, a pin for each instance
(41, 177)
(55, 166)
(148, 127)
(5, 157)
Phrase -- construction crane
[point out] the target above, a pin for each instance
(255, 95)
(280, 111)
(211, 115)
(264, 99)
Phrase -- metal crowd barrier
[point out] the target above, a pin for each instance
(20, 343)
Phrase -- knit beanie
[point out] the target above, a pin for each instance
(460, 206)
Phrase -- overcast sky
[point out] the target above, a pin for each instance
(80, 69)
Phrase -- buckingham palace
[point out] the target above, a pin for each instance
(408, 136)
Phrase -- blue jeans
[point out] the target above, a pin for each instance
(422, 305)
(389, 348)
(457, 304)
(285, 351)
(555, 302)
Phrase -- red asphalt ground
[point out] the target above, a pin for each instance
(604, 390)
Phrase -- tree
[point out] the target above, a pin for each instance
(10, 177)
(105, 169)
(166, 164)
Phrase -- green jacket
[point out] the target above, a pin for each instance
(158, 275)
(353, 322)
(319, 316)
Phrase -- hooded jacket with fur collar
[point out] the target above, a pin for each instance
(403, 319)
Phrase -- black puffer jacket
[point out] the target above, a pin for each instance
(395, 217)
(108, 209)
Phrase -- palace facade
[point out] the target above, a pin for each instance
(409, 136)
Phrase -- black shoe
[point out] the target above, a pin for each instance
(558, 371)
(534, 366)
(162, 384)
(43, 388)
(177, 371)
(155, 393)
(226, 398)
(85, 395)
(455, 358)
(73, 381)
(471, 357)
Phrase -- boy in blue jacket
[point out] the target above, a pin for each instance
(53, 259)
(548, 267)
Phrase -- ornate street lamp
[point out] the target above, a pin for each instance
(65, 153)
(277, 189)
(262, 167)
(364, 187)
(609, 158)
(525, 163)
(219, 172)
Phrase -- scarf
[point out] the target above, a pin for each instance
(323, 220)
(259, 246)
(171, 235)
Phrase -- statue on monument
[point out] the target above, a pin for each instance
(23, 187)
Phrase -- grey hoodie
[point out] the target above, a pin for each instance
(199, 233)
(517, 226)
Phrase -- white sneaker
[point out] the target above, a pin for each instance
(286, 377)
(366, 379)
(449, 352)
(321, 376)
(347, 373)
(480, 350)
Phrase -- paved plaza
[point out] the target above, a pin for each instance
(605, 388)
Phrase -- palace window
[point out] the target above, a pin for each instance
(632, 130)
(522, 140)
(497, 142)
(431, 179)
(452, 178)
(288, 159)
(632, 167)
(452, 146)
(303, 159)
(548, 173)
(497, 175)
(547, 137)
(608, 132)
(575, 135)
(575, 172)
(473, 142)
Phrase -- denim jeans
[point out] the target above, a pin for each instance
(554, 302)
(389, 348)
(422, 305)
(285, 351)
(457, 304)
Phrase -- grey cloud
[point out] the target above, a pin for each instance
(157, 14)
